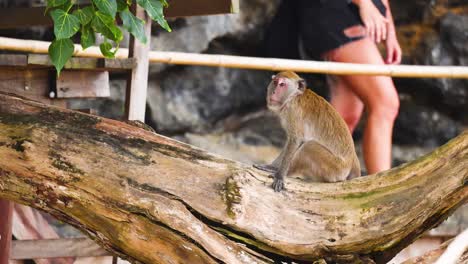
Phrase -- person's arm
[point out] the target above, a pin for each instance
(393, 47)
(374, 21)
(380, 28)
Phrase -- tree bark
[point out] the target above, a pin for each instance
(151, 199)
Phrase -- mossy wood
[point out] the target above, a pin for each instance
(151, 199)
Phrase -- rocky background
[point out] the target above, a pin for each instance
(223, 110)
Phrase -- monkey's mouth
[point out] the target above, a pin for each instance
(274, 102)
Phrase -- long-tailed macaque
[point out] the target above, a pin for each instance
(319, 146)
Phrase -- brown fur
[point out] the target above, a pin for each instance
(319, 147)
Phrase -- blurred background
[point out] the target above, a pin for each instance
(223, 110)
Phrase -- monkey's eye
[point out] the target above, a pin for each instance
(282, 84)
(275, 82)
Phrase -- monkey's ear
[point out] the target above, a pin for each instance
(301, 85)
(273, 76)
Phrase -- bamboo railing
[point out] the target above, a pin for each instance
(272, 64)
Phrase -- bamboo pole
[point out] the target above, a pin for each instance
(255, 63)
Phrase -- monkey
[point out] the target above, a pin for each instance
(319, 146)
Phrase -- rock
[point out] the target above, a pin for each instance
(404, 153)
(450, 49)
(111, 107)
(454, 225)
(194, 98)
(191, 98)
(195, 34)
(252, 139)
(423, 126)
(232, 146)
(262, 128)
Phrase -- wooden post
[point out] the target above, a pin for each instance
(6, 215)
(137, 83)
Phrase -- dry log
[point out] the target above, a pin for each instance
(151, 199)
(432, 256)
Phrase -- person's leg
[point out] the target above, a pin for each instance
(6, 216)
(380, 99)
(345, 101)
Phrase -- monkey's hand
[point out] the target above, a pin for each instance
(278, 182)
(267, 168)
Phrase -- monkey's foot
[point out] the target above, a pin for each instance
(278, 185)
(267, 168)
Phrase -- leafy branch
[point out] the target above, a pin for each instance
(99, 17)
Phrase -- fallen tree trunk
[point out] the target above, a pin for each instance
(152, 199)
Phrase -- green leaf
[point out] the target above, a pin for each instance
(59, 52)
(108, 7)
(105, 25)
(65, 25)
(87, 36)
(55, 3)
(122, 5)
(85, 15)
(133, 24)
(155, 11)
(62, 4)
(106, 49)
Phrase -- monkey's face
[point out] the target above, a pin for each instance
(281, 90)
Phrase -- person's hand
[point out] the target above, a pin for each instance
(393, 49)
(375, 23)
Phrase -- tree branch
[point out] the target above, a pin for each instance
(152, 199)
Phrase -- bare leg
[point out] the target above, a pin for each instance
(380, 98)
(345, 101)
(6, 213)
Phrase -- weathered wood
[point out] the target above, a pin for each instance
(455, 250)
(34, 61)
(30, 224)
(137, 82)
(30, 83)
(201, 7)
(87, 111)
(56, 248)
(152, 199)
(83, 84)
(99, 64)
(17, 17)
(13, 60)
(6, 213)
(432, 256)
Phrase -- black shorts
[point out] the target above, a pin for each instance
(322, 23)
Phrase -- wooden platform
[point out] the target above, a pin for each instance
(34, 16)
(56, 248)
(34, 61)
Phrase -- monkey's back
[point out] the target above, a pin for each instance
(325, 125)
